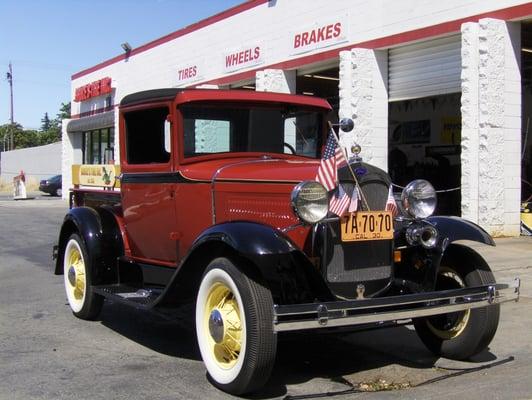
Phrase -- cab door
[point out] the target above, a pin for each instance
(147, 183)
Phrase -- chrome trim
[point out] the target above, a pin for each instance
(356, 312)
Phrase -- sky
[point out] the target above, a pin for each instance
(48, 41)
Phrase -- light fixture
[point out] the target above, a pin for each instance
(524, 49)
(127, 47)
(248, 87)
(308, 93)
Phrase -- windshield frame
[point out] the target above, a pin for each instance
(182, 159)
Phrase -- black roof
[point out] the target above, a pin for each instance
(150, 95)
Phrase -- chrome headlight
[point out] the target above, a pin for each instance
(419, 199)
(310, 201)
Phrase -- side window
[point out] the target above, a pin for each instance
(147, 136)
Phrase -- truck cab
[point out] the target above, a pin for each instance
(245, 205)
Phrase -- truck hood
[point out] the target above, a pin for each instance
(270, 170)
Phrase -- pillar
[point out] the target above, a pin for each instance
(364, 98)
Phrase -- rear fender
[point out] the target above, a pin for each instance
(99, 229)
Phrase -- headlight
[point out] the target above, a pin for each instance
(419, 199)
(310, 201)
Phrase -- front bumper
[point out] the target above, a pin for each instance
(296, 317)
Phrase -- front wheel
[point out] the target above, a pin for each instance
(460, 335)
(234, 328)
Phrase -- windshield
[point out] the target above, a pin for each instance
(220, 129)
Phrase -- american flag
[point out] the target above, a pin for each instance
(331, 160)
(390, 203)
(339, 201)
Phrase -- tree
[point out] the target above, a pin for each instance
(46, 124)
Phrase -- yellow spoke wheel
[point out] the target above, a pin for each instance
(82, 301)
(223, 319)
(234, 328)
(460, 335)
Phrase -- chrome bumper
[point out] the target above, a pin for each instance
(297, 317)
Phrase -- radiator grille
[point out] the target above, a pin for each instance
(366, 262)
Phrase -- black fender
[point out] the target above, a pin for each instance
(262, 250)
(102, 237)
(455, 228)
(249, 238)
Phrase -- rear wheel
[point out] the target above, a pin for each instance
(234, 327)
(77, 276)
(460, 335)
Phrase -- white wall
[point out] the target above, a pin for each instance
(273, 26)
(37, 162)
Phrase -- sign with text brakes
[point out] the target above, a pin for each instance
(243, 57)
(320, 34)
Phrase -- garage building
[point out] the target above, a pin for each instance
(440, 90)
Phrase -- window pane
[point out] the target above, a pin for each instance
(145, 138)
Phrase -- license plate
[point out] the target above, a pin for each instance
(366, 225)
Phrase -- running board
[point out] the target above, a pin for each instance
(296, 317)
(142, 298)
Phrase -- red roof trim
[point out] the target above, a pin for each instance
(249, 4)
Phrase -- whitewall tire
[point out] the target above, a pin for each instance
(234, 328)
(77, 278)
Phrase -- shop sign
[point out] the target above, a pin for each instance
(93, 89)
(188, 73)
(318, 35)
(101, 175)
(243, 57)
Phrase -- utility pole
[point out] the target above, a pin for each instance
(9, 77)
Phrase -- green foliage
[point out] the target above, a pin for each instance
(50, 131)
(46, 124)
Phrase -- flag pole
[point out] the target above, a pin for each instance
(336, 138)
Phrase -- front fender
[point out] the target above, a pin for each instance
(261, 250)
(455, 228)
(248, 238)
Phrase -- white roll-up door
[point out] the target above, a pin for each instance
(424, 69)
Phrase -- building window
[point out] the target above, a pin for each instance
(98, 146)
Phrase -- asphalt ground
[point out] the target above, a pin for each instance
(47, 353)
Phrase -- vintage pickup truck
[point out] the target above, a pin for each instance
(220, 200)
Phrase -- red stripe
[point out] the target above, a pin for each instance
(174, 35)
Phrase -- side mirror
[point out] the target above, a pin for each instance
(346, 124)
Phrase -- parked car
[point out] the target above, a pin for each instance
(52, 185)
(235, 201)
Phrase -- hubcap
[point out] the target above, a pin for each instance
(223, 319)
(72, 275)
(216, 326)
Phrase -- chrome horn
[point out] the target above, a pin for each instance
(425, 235)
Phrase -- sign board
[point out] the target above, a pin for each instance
(243, 57)
(188, 73)
(93, 89)
(101, 175)
(319, 35)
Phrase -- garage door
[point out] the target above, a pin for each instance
(424, 69)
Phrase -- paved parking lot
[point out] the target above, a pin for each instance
(46, 353)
